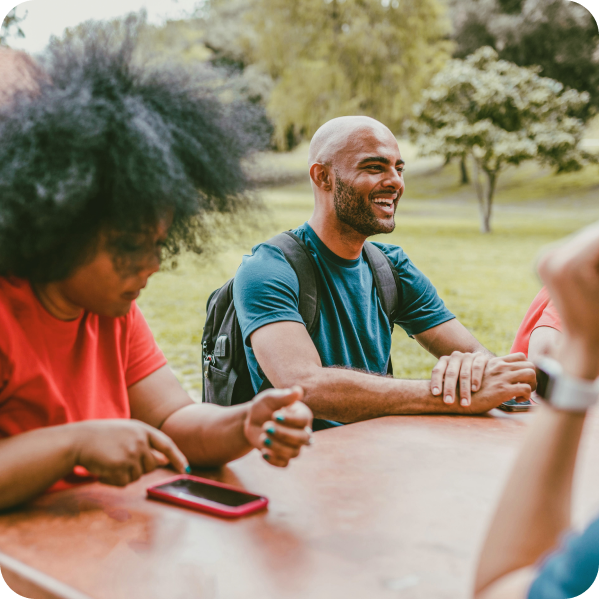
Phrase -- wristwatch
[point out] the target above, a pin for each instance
(562, 391)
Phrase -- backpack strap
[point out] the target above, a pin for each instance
(304, 265)
(386, 281)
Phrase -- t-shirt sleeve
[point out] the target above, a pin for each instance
(549, 318)
(266, 290)
(421, 307)
(144, 356)
(571, 570)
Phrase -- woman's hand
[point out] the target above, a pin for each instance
(279, 424)
(119, 452)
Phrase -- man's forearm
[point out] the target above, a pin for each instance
(209, 435)
(350, 396)
(33, 461)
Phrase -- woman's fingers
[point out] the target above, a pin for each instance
(293, 437)
(297, 415)
(165, 445)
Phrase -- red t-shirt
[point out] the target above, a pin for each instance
(54, 372)
(542, 313)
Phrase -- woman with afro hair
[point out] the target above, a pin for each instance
(107, 166)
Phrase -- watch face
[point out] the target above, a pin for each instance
(542, 383)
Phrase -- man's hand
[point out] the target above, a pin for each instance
(571, 273)
(503, 379)
(121, 451)
(279, 424)
(465, 369)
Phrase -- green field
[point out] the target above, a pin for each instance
(488, 281)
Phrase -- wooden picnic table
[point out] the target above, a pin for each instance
(389, 508)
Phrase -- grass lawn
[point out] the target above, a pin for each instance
(488, 281)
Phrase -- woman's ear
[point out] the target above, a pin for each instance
(321, 176)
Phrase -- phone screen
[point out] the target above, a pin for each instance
(191, 489)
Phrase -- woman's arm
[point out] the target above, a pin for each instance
(117, 451)
(211, 435)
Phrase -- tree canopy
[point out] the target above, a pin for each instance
(326, 58)
(500, 114)
(558, 35)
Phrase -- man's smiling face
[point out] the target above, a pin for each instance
(369, 181)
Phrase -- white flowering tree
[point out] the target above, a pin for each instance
(500, 114)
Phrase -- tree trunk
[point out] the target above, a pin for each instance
(485, 194)
(464, 171)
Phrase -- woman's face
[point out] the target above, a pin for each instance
(120, 269)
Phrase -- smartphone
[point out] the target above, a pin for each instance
(207, 496)
(513, 406)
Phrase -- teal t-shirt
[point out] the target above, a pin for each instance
(353, 330)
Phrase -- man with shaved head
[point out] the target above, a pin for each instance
(356, 172)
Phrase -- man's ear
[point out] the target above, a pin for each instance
(321, 176)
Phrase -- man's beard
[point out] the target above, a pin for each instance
(352, 210)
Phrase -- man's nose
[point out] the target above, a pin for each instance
(394, 180)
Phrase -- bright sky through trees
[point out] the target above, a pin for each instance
(51, 17)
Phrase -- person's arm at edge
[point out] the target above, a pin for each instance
(534, 509)
(348, 395)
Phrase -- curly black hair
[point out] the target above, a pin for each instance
(112, 144)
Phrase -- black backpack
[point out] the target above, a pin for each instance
(226, 374)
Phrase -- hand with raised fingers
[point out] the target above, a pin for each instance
(279, 424)
(119, 452)
(457, 376)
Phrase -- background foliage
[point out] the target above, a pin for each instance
(499, 114)
(317, 59)
(558, 35)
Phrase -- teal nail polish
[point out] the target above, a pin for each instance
(271, 430)
(280, 418)
(266, 456)
(188, 469)
(267, 442)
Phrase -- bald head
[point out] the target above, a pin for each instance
(344, 133)
(18, 73)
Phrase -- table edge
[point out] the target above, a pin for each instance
(38, 579)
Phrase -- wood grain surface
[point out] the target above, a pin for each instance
(392, 508)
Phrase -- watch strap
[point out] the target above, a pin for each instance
(567, 392)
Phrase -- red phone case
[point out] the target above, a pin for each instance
(205, 505)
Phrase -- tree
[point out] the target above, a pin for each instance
(11, 20)
(327, 58)
(499, 114)
(558, 35)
